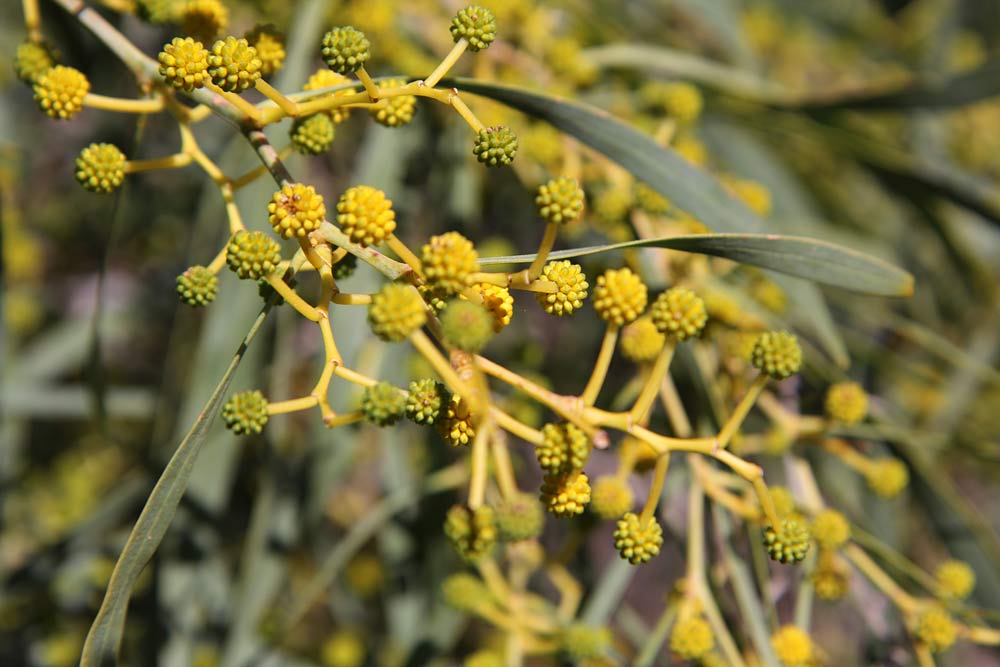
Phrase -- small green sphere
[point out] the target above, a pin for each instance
(560, 201)
(313, 135)
(466, 325)
(473, 533)
(234, 65)
(100, 168)
(495, 146)
(789, 544)
(345, 267)
(252, 255)
(396, 311)
(564, 449)
(476, 25)
(679, 313)
(464, 591)
(383, 404)
(637, 542)
(346, 49)
(245, 412)
(197, 286)
(426, 398)
(777, 353)
(519, 517)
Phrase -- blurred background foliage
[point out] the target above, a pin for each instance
(872, 124)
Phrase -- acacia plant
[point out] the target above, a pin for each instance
(658, 377)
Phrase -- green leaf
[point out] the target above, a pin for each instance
(814, 260)
(105, 635)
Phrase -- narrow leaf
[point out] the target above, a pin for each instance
(818, 261)
(105, 635)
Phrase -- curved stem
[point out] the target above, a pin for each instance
(600, 371)
(449, 61)
(121, 105)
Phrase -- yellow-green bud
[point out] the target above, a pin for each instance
(691, 638)
(100, 167)
(955, 580)
(252, 255)
(476, 25)
(846, 402)
(396, 311)
(234, 65)
(679, 313)
(620, 296)
(565, 495)
(197, 286)
(612, 497)
(313, 135)
(365, 214)
(571, 288)
(560, 201)
(59, 91)
(638, 541)
(788, 544)
(564, 449)
(473, 533)
(184, 63)
(495, 146)
(830, 529)
(425, 400)
(466, 325)
(777, 353)
(383, 404)
(245, 412)
(519, 517)
(346, 49)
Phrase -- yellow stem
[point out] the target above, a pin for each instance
(404, 253)
(480, 464)
(219, 260)
(292, 297)
(449, 61)
(345, 373)
(523, 431)
(329, 345)
(466, 113)
(255, 173)
(370, 87)
(232, 210)
(675, 409)
(850, 456)
(325, 103)
(443, 368)
(32, 20)
(95, 101)
(343, 299)
(270, 92)
(640, 409)
(294, 405)
(735, 420)
(314, 257)
(766, 502)
(878, 576)
(544, 248)
(600, 372)
(169, 162)
(244, 107)
(569, 589)
(344, 419)
(656, 490)
(502, 464)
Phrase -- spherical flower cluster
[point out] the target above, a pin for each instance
(295, 210)
(245, 412)
(455, 426)
(270, 45)
(679, 313)
(777, 353)
(612, 497)
(846, 402)
(691, 638)
(396, 311)
(612, 205)
(830, 529)
(394, 111)
(519, 517)
(366, 215)
(234, 65)
(466, 325)
(33, 59)
(565, 495)
(184, 63)
(100, 167)
(638, 541)
(681, 101)
(448, 262)
(201, 19)
(955, 580)
(383, 404)
(156, 11)
(346, 49)
(789, 544)
(830, 579)
(464, 591)
(620, 296)
(343, 649)
(935, 629)
(475, 25)
(313, 135)
(426, 397)
(252, 255)
(59, 91)
(887, 477)
(641, 341)
(571, 288)
(560, 201)
(197, 286)
(784, 501)
(473, 533)
(324, 78)
(495, 146)
(582, 642)
(564, 449)
(650, 200)
(498, 303)
(793, 647)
